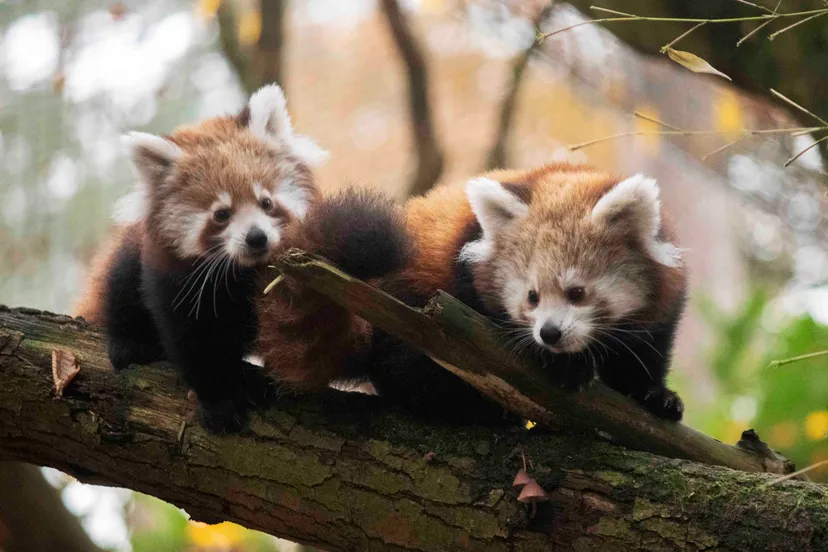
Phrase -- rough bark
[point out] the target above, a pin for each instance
(349, 474)
(470, 346)
(429, 154)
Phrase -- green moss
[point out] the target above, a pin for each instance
(613, 478)
(644, 509)
(666, 529)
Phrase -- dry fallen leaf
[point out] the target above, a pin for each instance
(64, 369)
(694, 63)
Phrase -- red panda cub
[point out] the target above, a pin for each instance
(575, 263)
(178, 280)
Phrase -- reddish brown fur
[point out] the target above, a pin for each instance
(304, 339)
(89, 305)
(222, 147)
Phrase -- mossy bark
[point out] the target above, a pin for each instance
(348, 474)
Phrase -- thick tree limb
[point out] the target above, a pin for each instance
(471, 347)
(347, 474)
(429, 153)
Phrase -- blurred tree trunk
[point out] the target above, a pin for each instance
(347, 473)
(260, 63)
(795, 62)
(498, 154)
(34, 516)
(428, 151)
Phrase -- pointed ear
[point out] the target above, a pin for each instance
(494, 207)
(269, 121)
(152, 157)
(633, 204)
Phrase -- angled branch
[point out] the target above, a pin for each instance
(470, 346)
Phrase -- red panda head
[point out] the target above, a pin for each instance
(226, 187)
(570, 255)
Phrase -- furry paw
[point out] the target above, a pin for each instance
(259, 389)
(123, 352)
(222, 416)
(575, 376)
(662, 402)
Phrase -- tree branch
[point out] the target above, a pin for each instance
(429, 154)
(348, 474)
(470, 346)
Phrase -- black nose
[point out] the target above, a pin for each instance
(550, 334)
(256, 238)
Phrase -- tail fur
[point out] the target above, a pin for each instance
(361, 231)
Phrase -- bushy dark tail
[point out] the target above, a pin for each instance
(361, 231)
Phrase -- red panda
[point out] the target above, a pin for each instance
(178, 278)
(576, 263)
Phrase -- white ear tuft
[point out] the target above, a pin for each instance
(270, 122)
(269, 119)
(494, 207)
(635, 202)
(308, 150)
(152, 157)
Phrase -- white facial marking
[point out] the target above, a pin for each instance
(494, 207)
(621, 296)
(183, 226)
(293, 197)
(637, 198)
(572, 320)
(225, 199)
(245, 219)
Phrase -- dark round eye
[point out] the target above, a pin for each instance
(221, 215)
(533, 298)
(575, 294)
(265, 203)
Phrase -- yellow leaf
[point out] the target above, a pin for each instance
(694, 63)
(250, 27)
(816, 425)
(222, 535)
(530, 424)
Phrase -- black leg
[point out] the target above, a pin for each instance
(132, 337)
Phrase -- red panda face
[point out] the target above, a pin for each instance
(575, 263)
(232, 202)
(225, 189)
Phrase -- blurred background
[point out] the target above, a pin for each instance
(482, 91)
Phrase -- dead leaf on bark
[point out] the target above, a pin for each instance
(64, 369)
